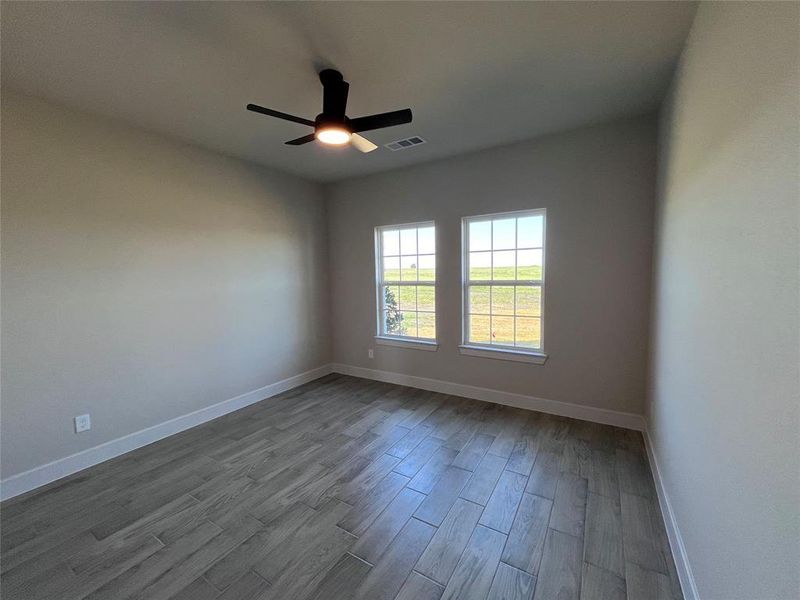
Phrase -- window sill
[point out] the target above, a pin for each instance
(406, 343)
(536, 358)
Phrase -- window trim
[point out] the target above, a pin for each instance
(500, 351)
(404, 341)
(536, 358)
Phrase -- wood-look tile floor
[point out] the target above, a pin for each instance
(348, 488)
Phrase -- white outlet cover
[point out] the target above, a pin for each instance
(83, 423)
(371, 353)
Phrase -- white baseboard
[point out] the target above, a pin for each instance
(553, 407)
(684, 568)
(44, 474)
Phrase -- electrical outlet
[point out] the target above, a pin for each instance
(371, 353)
(83, 423)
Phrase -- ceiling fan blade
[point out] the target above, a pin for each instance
(388, 119)
(302, 140)
(274, 113)
(334, 93)
(362, 143)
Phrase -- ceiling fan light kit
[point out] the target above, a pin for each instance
(335, 136)
(332, 127)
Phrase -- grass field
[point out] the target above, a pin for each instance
(507, 315)
(421, 325)
(527, 273)
(507, 331)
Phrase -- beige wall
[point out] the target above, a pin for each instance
(725, 389)
(598, 186)
(144, 279)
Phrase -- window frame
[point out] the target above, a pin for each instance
(501, 351)
(404, 341)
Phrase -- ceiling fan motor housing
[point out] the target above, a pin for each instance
(324, 121)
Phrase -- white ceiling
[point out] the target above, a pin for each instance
(475, 74)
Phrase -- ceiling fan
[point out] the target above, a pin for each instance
(332, 126)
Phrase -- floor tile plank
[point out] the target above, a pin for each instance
(545, 474)
(375, 540)
(235, 564)
(502, 505)
(599, 584)
(633, 474)
(199, 589)
(300, 576)
(569, 505)
(475, 571)
(389, 574)
(183, 572)
(560, 571)
(409, 441)
(344, 578)
(641, 533)
(603, 545)
(483, 480)
(294, 547)
(430, 473)
(249, 587)
(369, 506)
(470, 456)
(511, 584)
(417, 458)
(137, 577)
(646, 584)
(526, 539)
(441, 557)
(436, 506)
(418, 587)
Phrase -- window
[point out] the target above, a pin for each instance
(503, 279)
(406, 275)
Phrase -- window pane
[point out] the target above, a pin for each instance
(480, 265)
(391, 297)
(529, 332)
(504, 234)
(480, 235)
(502, 300)
(426, 240)
(408, 268)
(408, 297)
(427, 267)
(529, 264)
(392, 322)
(426, 298)
(427, 325)
(390, 242)
(391, 268)
(479, 329)
(529, 232)
(408, 241)
(409, 323)
(529, 301)
(479, 299)
(503, 330)
(503, 265)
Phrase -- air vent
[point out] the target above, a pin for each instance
(406, 143)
